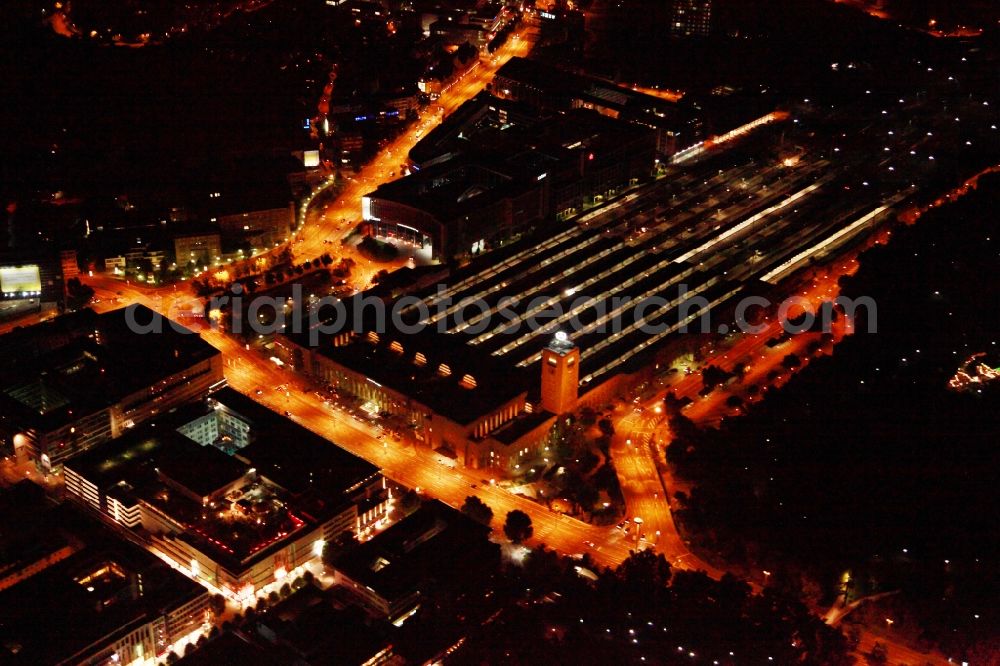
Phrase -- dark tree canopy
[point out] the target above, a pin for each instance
(518, 527)
(478, 510)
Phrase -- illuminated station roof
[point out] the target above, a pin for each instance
(662, 246)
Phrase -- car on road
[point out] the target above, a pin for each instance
(288, 413)
(259, 392)
(589, 544)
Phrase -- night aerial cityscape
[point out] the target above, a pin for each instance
(488, 332)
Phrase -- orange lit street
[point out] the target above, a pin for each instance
(491, 332)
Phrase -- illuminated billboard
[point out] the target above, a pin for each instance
(310, 158)
(20, 280)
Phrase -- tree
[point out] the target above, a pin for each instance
(713, 375)
(642, 580)
(740, 371)
(518, 527)
(286, 590)
(409, 502)
(878, 655)
(791, 361)
(853, 635)
(218, 604)
(77, 293)
(478, 510)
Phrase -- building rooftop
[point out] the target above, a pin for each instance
(419, 372)
(319, 629)
(236, 506)
(430, 548)
(560, 88)
(546, 78)
(517, 428)
(141, 466)
(238, 648)
(62, 371)
(293, 457)
(149, 453)
(29, 535)
(452, 189)
(93, 595)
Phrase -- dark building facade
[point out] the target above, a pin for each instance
(677, 124)
(490, 180)
(691, 18)
(84, 378)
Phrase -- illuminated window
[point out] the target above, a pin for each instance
(420, 359)
(468, 381)
(373, 337)
(396, 347)
(444, 370)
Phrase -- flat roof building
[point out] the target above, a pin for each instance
(198, 247)
(677, 124)
(84, 378)
(475, 367)
(108, 601)
(237, 496)
(434, 551)
(691, 18)
(487, 180)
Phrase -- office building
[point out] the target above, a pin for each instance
(88, 596)
(83, 378)
(236, 496)
(497, 173)
(201, 247)
(691, 18)
(434, 551)
(677, 123)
